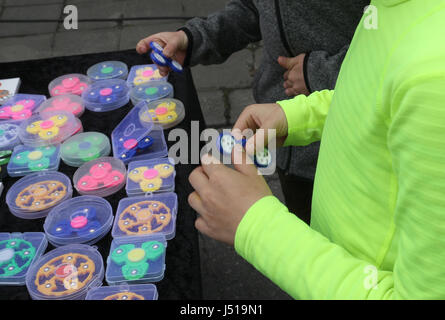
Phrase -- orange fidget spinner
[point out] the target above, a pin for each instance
(40, 196)
(144, 217)
(125, 296)
(64, 274)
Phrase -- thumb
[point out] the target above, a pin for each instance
(171, 47)
(242, 162)
(285, 62)
(259, 140)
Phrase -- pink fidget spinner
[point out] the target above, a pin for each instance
(19, 110)
(101, 175)
(74, 84)
(69, 103)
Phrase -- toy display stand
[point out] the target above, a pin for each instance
(49, 128)
(153, 90)
(100, 177)
(65, 273)
(26, 160)
(108, 70)
(9, 135)
(74, 83)
(147, 216)
(106, 95)
(136, 138)
(34, 195)
(165, 112)
(136, 260)
(68, 102)
(124, 292)
(150, 176)
(84, 147)
(84, 219)
(142, 74)
(20, 106)
(18, 251)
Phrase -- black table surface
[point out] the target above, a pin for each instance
(182, 278)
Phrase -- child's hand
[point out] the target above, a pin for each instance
(222, 195)
(175, 46)
(294, 76)
(264, 117)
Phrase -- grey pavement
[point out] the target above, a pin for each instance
(223, 90)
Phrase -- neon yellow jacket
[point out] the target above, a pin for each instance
(378, 208)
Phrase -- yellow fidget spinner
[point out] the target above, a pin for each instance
(150, 179)
(146, 74)
(165, 112)
(47, 129)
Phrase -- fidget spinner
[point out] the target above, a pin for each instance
(151, 179)
(17, 108)
(159, 58)
(134, 260)
(153, 90)
(69, 84)
(164, 112)
(16, 256)
(5, 157)
(133, 147)
(125, 296)
(9, 135)
(69, 103)
(100, 175)
(108, 70)
(49, 128)
(82, 222)
(145, 74)
(35, 159)
(87, 147)
(41, 195)
(144, 217)
(65, 274)
(106, 95)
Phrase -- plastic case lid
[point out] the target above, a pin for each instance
(27, 159)
(147, 216)
(108, 70)
(18, 252)
(136, 260)
(100, 177)
(9, 135)
(73, 83)
(153, 90)
(165, 112)
(84, 219)
(49, 128)
(106, 95)
(21, 106)
(142, 74)
(68, 102)
(124, 292)
(34, 195)
(150, 176)
(65, 273)
(84, 147)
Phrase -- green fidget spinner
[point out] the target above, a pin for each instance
(37, 159)
(15, 256)
(5, 157)
(86, 149)
(134, 261)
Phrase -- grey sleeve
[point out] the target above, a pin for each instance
(213, 39)
(321, 70)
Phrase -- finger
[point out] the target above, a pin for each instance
(202, 226)
(143, 45)
(210, 165)
(259, 140)
(195, 202)
(198, 179)
(171, 47)
(290, 92)
(242, 162)
(286, 75)
(284, 62)
(246, 120)
(287, 84)
(163, 70)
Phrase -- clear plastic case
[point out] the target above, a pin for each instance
(165, 112)
(74, 83)
(26, 160)
(153, 90)
(142, 74)
(108, 70)
(106, 95)
(84, 147)
(124, 292)
(67, 102)
(21, 106)
(9, 135)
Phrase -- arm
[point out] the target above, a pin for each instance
(307, 265)
(214, 39)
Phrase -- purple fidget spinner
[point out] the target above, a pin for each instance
(82, 222)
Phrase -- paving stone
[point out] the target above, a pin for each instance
(213, 107)
(239, 99)
(30, 12)
(25, 48)
(132, 34)
(29, 2)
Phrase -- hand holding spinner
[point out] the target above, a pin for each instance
(158, 57)
(69, 84)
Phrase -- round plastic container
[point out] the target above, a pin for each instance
(153, 90)
(74, 83)
(150, 176)
(18, 251)
(142, 74)
(124, 292)
(68, 102)
(9, 135)
(49, 128)
(26, 160)
(100, 177)
(136, 260)
(84, 147)
(153, 215)
(34, 195)
(165, 112)
(108, 70)
(84, 219)
(106, 95)
(21, 106)
(65, 273)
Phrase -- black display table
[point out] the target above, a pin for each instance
(182, 276)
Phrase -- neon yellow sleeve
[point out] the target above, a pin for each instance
(306, 116)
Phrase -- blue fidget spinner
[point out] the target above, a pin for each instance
(106, 95)
(82, 222)
(133, 147)
(108, 70)
(158, 57)
(9, 135)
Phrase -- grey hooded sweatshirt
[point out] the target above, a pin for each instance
(320, 28)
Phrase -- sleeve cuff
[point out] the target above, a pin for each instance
(293, 109)
(305, 73)
(188, 55)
